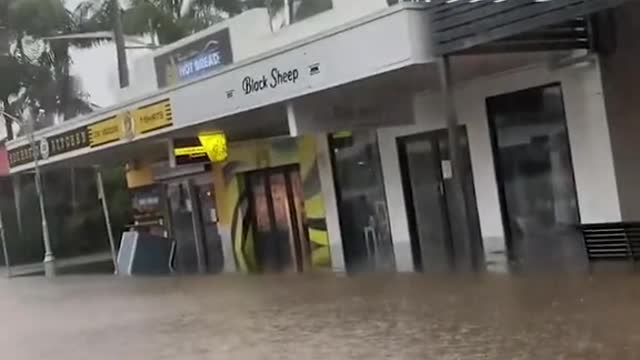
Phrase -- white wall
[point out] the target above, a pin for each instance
(588, 136)
(251, 35)
(621, 79)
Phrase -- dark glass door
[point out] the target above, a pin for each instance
(205, 195)
(535, 176)
(362, 203)
(186, 256)
(276, 208)
(193, 226)
(435, 221)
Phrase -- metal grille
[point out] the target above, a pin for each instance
(612, 241)
(459, 25)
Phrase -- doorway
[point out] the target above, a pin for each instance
(535, 178)
(362, 202)
(276, 208)
(434, 221)
(193, 225)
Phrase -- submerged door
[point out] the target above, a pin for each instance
(434, 220)
(362, 203)
(535, 176)
(193, 226)
(278, 221)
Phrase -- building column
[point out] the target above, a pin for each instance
(460, 195)
(331, 204)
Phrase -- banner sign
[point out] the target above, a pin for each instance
(117, 127)
(55, 145)
(20, 155)
(194, 59)
(107, 131)
(152, 117)
(68, 141)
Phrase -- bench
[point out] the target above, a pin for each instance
(619, 241)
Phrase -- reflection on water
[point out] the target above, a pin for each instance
(322, 317)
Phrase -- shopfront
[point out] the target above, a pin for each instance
(337, 154)
(533, 138)
(270, 206)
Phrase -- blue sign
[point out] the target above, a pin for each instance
(198, 65)
(194, 59)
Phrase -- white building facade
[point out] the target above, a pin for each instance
(338, 153)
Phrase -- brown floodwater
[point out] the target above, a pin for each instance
(321, 317)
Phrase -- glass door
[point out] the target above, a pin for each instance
(205, 195)
(194, 225)
(187, 257)
(426, 204)
(435, 220)
(362, 203)
(535, 176)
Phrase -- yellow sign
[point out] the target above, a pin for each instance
(189, 151)
(152, 117)
(215, 144)
(106, 131)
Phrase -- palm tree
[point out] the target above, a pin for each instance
(166, 20)
(35, 74)
(38, 71)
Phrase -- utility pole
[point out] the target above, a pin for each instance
(118, 38)
(459, 178)
(107, 218)
(49, 261)
(4, 53)
(5, 250)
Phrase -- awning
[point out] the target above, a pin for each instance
(459, 25)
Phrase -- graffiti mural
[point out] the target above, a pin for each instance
(233, 200)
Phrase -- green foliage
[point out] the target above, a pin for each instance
(163, 18)
(38, 18)
(36, 75)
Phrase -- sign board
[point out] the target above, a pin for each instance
(107, 131)
(189, 151)
(194, 59)
(152, 117)
(215, 145)
(55, 145)
(206, 148)
(20, 155)
(68, 141)
(143, 120)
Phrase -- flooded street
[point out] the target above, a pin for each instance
(321, 317)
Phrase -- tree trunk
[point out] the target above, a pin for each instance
(8, 123)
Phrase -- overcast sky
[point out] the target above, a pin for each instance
(97, 68)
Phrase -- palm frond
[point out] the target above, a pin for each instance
(38, 18)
